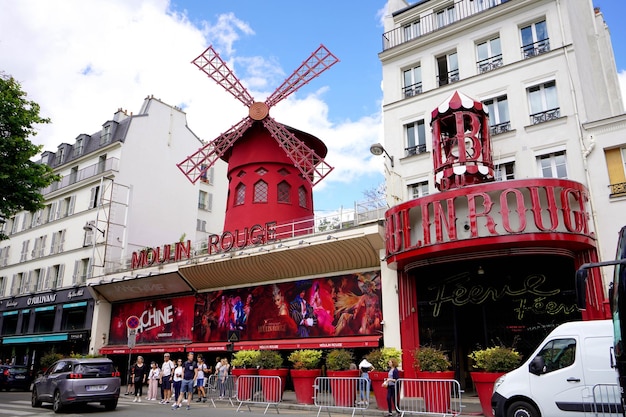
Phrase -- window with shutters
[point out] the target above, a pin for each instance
(24, 254)
(57, 242)
(68, 206)
(94, 199)
(54, 277)
(3, 285)
(15, 224)
(616, 166)
(81, 271)
(25, 287)
(418, 190)
(38, 247)
(39, 280)
(4, 256)
(16, 284)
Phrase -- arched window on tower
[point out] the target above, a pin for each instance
(284, 192)
(260, 192)
(240, 194)
(302, 200)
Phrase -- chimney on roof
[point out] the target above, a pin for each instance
(120, 115)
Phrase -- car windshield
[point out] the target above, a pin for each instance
(94, 368)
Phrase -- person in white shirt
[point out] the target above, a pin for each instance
(203, 370)
(166, 378)
(153, 381)
(178, 380)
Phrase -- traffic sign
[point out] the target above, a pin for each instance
(133, 322)
(132, 339)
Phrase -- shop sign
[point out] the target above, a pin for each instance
(160, 255)
(254, 235)
(41, 299)
(490, 210)
(75, 293)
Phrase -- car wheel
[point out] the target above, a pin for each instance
(110, 405)
(522, 409)
(57, 406)
(34, 401)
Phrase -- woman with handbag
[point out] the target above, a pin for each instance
(392, 377)
(139, 378)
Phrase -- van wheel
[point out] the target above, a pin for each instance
(522, 409)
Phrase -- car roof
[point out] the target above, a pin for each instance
(87, 360)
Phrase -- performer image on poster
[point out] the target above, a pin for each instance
(302, 313)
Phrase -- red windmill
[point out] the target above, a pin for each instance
(271, 167)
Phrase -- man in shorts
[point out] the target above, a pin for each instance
(166, 378)
(190, 374)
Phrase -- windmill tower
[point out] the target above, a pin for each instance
(272, 168)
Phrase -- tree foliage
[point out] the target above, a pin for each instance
(21, 179)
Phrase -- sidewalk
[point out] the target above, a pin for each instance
(470, 404)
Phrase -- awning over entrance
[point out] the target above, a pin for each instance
(171, 283)
(310, 343)
(56, 337)
(123, 349)
(344, 250)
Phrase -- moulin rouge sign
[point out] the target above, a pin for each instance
(180, 251)
(505, 208)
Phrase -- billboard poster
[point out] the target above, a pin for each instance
(160, 320)
(345, 305)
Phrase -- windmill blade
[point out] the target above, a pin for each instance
(317, 63)
(310, 164)
(196, 165)
(212, 65)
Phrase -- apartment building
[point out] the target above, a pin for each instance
(544, 72)
(120, 192)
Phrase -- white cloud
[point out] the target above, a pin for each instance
(84, 60)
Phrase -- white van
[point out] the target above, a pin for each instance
(560, 377)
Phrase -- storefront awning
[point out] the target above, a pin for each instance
(310, 343)
(349, 249)
(144, 287)
(56, 337)
(123, 349)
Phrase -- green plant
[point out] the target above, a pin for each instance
(305, 358)
(246, 359)
(270, 359)
(339, 360)
(380, 357)
(431, 359)
(49, 358)
(495, 359)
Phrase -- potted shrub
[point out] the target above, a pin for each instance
(48, 359)
(342, 378)
(379, 358)
(271, 365)
(432, 363)
(245, 363)
(306, 368)
(491, 363)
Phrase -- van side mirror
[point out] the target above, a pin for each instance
(537, 366)
(581, 288)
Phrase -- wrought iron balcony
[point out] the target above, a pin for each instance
(537, 48)
(500, 128)
(431, 22)
(415, 150)
(110, 164)
(489, 64)
(545, 116)
(412, 90)
(618, 190)
(448, 78)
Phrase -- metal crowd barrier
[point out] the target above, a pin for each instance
(341, 393)
(217, 390)
(259, 390)
(441, 397)
(606, 400)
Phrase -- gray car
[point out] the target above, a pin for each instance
(76, 381)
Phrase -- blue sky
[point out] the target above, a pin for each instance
(85, 60)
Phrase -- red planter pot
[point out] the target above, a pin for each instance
(270, 391)
(343, 390)
(436, 394)
(483, 382)
(303, 381)
(244, 385)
